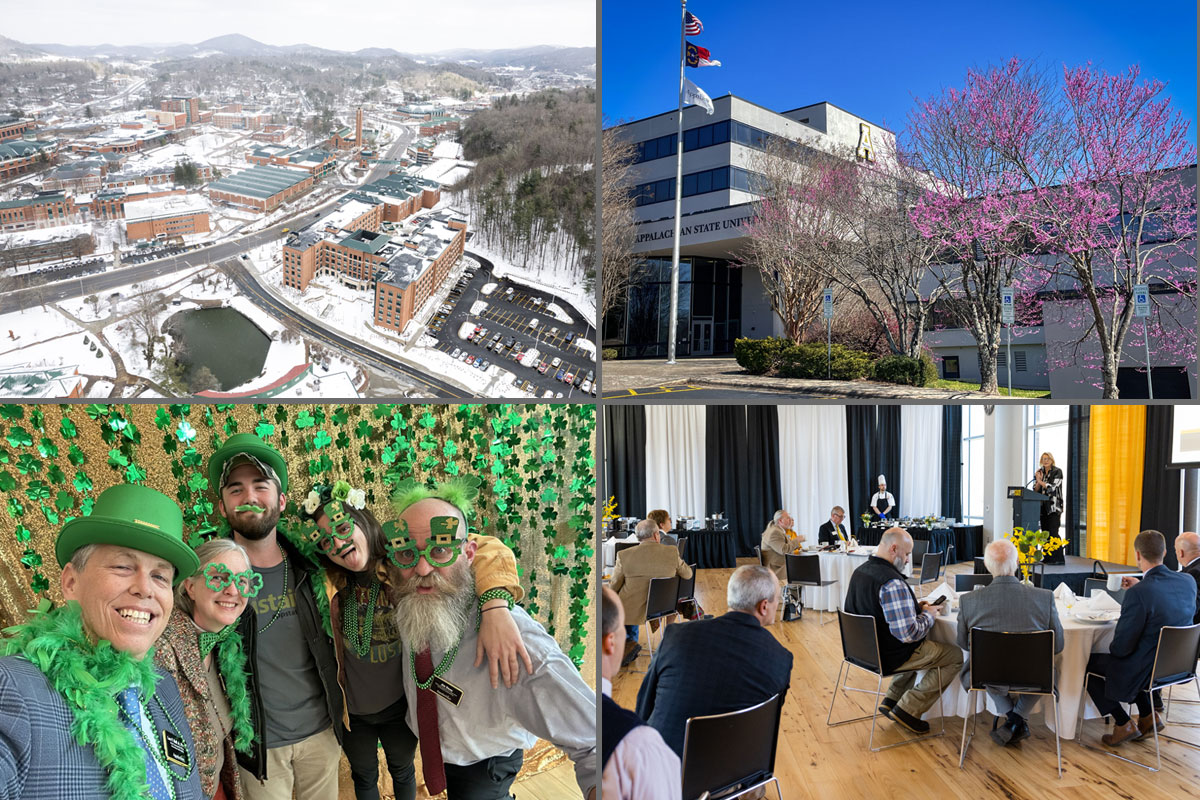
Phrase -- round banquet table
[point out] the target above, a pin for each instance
(939, 538)
(1080, 640)
(837, 567)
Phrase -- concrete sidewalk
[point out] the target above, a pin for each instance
(635, 375)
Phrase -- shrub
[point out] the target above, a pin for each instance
(809, 361)
(608, 353)
(906, 370)
(758, 356)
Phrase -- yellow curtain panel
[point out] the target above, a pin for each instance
(1116, 448)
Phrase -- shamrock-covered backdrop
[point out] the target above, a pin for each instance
(537, 463)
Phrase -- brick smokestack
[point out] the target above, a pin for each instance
(358, 140)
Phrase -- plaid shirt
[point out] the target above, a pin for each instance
(901, 613)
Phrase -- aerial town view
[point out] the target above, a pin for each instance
(237, 219)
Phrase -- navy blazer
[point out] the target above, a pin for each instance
(39, 758)
(711, 666)
(1193, 570)
(1161, 598)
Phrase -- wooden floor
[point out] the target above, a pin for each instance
(817, 761)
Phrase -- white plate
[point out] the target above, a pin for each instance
(1095, 618)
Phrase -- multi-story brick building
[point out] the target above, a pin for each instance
(14, 128)
(165, 217)
(437, 125)
(189, 106)
(318, 162)
(78, 176)
(240, 120)
(45, 209)
(401, 195)
(167, 120)
(110, 203)
(261, 188)
(18, 157)
(413, 273)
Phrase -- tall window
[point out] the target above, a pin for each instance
(1046, 432)
(973, 464)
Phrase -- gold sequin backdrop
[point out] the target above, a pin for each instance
(537, 463)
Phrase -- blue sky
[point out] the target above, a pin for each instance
(872, 58)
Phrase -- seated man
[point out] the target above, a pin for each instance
(634, 569)
(1160, 598)
(878, 589)
(1187, 553)
(1007, 605)
(663, 520)
(779, 540)
(473, 738)
(828, 533)
(716, 665)
(83, 711)
(636, 763)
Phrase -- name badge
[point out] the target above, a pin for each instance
(447, 691)
(175, 749)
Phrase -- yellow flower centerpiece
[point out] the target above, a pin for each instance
(610, 509)
(1032, 547)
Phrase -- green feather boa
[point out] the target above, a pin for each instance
(231, 663)
(309, 551)
(88, 676)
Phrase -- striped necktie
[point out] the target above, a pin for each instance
(128, 698)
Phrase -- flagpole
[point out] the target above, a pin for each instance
(678, 190)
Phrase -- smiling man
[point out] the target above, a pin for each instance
(83, 711)
(295, 697)
(472, 739)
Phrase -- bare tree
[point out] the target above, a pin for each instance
(619, 269)
(144, 322)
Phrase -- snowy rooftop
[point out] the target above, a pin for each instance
(260, 181)
(341, 217)
(39, 235)
(448, 149)
(169, 206)
(32, 381)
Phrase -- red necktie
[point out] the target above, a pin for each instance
(427, 729)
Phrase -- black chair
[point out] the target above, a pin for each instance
(980, 567)
(1093, 585)
(860, 648)
(931, 569)
(762, 562)
(1023, 663)
(687, 588)
(660, 603)
(1037, 573)
(920, 548)
(806, 571)
(1174, 664)
(965, 583)
(682, 545)
(619, 546)
(730, 755)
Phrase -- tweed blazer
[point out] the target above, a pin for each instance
(635, 568)
(775, 545)
(1009, 606)
(178, 652)
(39, 758)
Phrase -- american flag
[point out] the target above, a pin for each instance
(691, 24)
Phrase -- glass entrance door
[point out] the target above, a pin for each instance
(702, 337)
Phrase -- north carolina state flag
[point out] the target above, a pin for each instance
(700, 57)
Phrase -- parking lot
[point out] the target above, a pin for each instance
(514, 325)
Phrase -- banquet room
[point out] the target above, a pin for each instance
(814, 494)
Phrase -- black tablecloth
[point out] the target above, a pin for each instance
(939, 539)
(710, 549)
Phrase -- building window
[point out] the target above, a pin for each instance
(972, 459)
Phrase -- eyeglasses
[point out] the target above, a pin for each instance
(336, 540)
(218, 576)
(440, 550)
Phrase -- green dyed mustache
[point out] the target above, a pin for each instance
(250, 507)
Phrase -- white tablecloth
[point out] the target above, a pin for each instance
(610, 552)
(1080, 640)
(838, 567)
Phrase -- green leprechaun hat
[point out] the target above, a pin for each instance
(246, 447)
(132, 516)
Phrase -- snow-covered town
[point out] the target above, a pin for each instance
(154, 219)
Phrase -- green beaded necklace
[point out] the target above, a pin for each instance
(359, 636)
(279, 608)
(154, 751)
(441, 669)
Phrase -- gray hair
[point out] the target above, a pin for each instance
(646, 530)
(778, 516)
(80, 557)
(1000, 558)
(207, 552)
(748, 586)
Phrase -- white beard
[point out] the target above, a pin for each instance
(435, 621)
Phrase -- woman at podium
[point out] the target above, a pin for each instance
(1049, 480)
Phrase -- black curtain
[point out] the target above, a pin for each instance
(887, 454)
(1075, 525)
(1160, 486)
(625, 458)
(860, 444)
(726, 482)
(952, 461)
(765, 496)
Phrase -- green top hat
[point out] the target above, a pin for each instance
(256, 450)
(136, 517)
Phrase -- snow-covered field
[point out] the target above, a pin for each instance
(558, 280)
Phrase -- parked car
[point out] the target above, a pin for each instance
(470, 361)
(542, 367)
(558, 376)
(486, 364)
(455, 353)
(556, 362)
(586, 387)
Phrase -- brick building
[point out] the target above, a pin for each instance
(18, 157)
(167, 120)
(46, 209)
(189, 106)
(412, 274)
(437, 125)
(261, 188)
(14, 128)
(318, 162)
(110, 203)
(165, 217)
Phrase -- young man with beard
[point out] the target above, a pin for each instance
(296, 703)
(472, 739)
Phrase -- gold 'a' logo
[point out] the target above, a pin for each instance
(865, 149)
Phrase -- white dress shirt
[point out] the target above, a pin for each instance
(641, 766)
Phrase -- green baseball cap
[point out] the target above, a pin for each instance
(136, 517)
(246, 448)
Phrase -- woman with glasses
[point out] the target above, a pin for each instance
(353, 548)
(201, 648)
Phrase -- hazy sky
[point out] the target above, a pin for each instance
(408, 27)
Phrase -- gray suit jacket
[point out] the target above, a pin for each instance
(40, 760)
(1009, 606)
